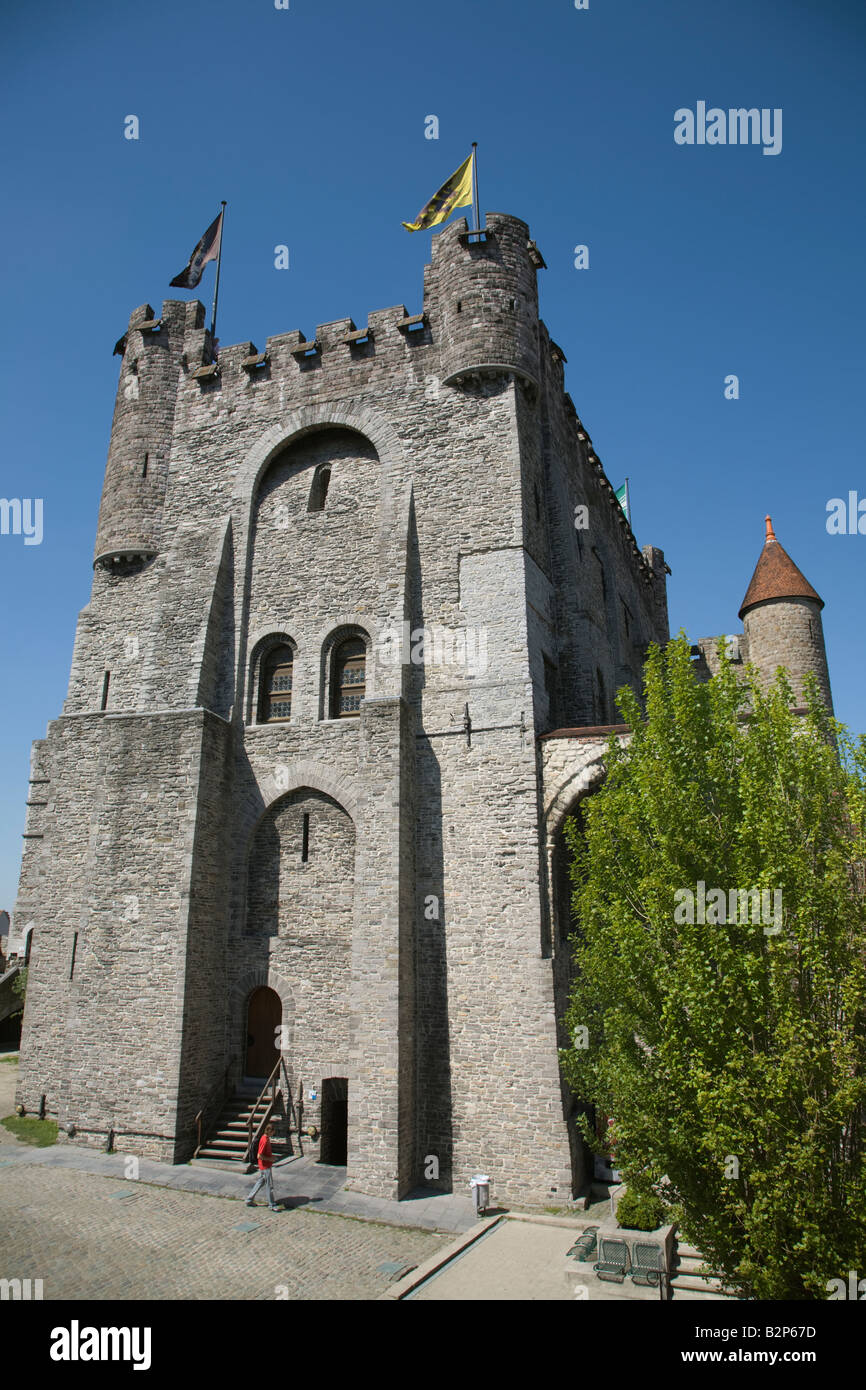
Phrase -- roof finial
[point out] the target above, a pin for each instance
(771, 535)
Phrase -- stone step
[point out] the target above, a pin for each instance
(699, 1284)
(208, 1160)
(239, 1108)
(689, 1264)
(690, 1251)
(229, 1138)
(689, 1272)
(233, 1115)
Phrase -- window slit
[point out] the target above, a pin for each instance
(319, 490)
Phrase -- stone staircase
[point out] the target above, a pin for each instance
(227, 1144)
(686, 1280)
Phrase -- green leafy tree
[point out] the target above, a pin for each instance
(729, 1052)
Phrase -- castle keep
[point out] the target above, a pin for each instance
(345, 669)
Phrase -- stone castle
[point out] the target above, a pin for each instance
(349, 661)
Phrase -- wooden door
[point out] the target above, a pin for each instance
(264, 1016)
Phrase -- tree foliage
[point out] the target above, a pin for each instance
(730, 1053)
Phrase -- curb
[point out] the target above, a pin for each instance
(436, 1262)
(571, 1223)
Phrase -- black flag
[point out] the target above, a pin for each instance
(207, 250)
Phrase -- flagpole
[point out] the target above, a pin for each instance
(627, 503)
(216, 288)
(475, 185)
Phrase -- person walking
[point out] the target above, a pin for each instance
(266, 1163)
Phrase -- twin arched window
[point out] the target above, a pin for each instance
(347, 684)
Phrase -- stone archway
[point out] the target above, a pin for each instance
(572, 770)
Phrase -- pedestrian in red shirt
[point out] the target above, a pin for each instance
(266, 1160)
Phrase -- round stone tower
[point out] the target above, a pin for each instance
(133, 493)
(481, 296)
(781, 615)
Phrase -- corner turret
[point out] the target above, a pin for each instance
(481, 296)
(781, 615)
(130, 514)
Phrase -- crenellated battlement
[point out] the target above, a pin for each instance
(480, 313)
(478, 325)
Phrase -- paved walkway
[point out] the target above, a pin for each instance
(93, 1225)
(90, 1237)
(522, 1260)
(298, 1182)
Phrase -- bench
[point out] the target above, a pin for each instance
(613, 1261)
(585, 1245)
(646, 1264)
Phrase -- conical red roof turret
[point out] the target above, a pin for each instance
(776, 576)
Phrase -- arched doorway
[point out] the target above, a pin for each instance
(264, 1016)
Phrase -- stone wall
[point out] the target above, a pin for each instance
(116, 979)
(789, 632)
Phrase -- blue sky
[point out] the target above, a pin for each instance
(704, 260)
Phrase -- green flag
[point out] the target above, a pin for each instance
(621, 495)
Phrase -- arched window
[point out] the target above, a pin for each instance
(319, 489)
(275, 701)
(350, 678)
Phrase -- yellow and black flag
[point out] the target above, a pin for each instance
(456, 193)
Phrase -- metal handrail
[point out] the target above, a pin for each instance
(271, 1081)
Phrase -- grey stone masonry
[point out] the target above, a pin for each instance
(788, 632)
(420, 485)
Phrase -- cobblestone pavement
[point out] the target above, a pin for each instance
(93, 1237)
